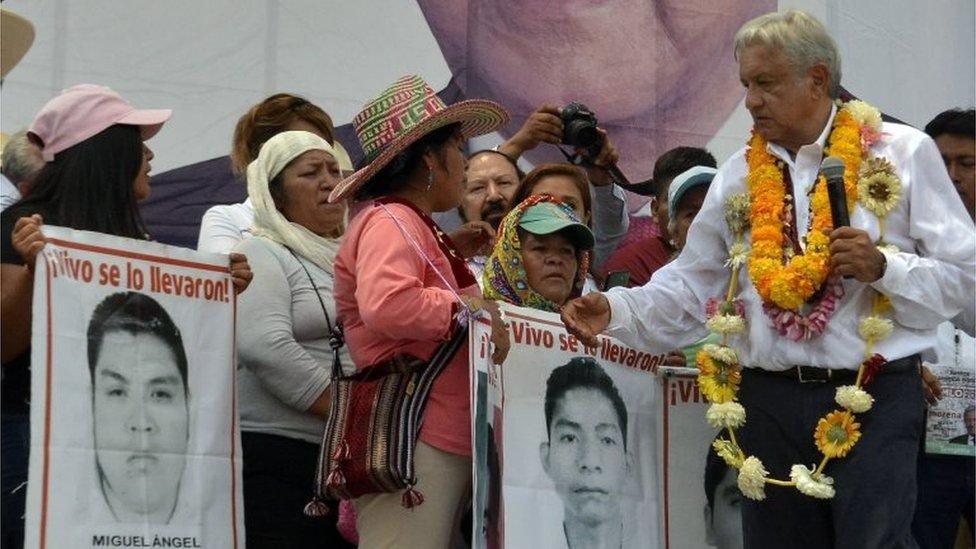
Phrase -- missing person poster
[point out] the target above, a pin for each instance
(700, 498)
(570, 440)
(133, 414)
(951, 425)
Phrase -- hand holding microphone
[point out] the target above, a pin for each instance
(852, 253)
(833, 171)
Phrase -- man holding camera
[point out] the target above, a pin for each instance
(886, 300)
(493, 178)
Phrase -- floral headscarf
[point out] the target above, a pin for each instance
(504, 277)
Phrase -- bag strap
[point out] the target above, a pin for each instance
(465, 311)
(336, 339)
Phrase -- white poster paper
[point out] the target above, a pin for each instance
(575, 435)
(134, 441)
(700, 498)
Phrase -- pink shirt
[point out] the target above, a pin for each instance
(390, 301)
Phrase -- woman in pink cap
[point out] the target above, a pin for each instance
(400, 286)
(97, 169)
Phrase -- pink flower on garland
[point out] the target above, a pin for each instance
(716, 306)
(797, 327)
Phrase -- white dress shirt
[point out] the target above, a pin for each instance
(929, 281)
(224, 226)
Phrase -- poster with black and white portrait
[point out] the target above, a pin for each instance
(575, 431)
(133, 413)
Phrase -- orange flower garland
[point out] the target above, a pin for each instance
(856, 127)
(789, 286)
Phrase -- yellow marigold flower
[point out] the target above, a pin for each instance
(837, 433)
(784, 295)
(728, 452)
(767, 237)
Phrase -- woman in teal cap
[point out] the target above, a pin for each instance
(541, 255)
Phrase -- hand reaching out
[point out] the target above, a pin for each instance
(587, 317)
(474, 238)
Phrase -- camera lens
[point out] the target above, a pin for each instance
(584, 134)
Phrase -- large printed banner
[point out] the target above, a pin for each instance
(133, 412)
(571, 439)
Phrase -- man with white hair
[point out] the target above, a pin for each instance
(21, 162)
(823, 325)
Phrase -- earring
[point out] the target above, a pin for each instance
(430, 179)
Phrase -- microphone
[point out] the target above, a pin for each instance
(833, 171)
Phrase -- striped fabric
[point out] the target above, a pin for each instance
(371, 435)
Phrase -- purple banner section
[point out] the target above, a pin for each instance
(180, 197)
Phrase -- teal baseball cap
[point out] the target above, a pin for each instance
(547, 218)
(684, 182)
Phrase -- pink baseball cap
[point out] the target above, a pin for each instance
(85, 110)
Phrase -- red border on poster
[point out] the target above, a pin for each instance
(46, 460)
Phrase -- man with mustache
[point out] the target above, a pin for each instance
(493, 178)
(586, 453)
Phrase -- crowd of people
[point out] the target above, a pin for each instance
(339, 268)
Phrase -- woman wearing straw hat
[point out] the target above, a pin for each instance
(401, 284)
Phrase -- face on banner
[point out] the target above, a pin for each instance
(586, 455)
(723, 516)
(141, 423)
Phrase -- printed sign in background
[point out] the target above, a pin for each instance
(948, 431)
(686, 442)
(131, 449)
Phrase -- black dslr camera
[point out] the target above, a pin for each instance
(579, 128)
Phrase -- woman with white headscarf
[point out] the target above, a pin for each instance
(283, 331)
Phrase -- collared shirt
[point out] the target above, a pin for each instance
(930, 280)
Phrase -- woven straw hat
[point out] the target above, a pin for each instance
(17, 34)
(406, 111)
